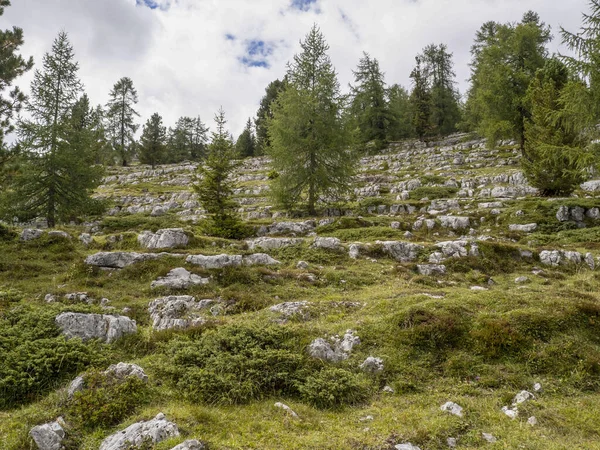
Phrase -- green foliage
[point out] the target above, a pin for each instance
(153, 141)
(106, 400)
(120, 114)
(420, 100)
(246, 143)
(334, 387)
(7, 233)
(400, 126)
(308, 137)
(35, 357)
(58, 173)
(187, 140)
(265, 113)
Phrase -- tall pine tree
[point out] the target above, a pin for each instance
(246, 142)
(308, 137)
(420, 101)
(401, 126)
(265, 113)
(153, 141)
(120, 114)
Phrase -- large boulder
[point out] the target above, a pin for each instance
(525, 228)
(431, 269)
(153, 431)
(30, 234)
(288, 228)
(327, 243)
(177, 312)
(215, 261)
(179, 278)
(167, 238)
(259, 259)
(270, 243)
(401, 251)
(119, 260)
(455, 222)
(48, 436)
(557, 257)
(105, 327)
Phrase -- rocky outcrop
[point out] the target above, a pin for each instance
(107, 328)
(296, 228)
(224, 260)
(30, 234)
(152, 431)
(270, 243)
(177, 312)
(179, 278)
(259, 259)
(401, 251)
(525, 228)
(335, 349)
(455, 222)
(327, 243)
(372, 365)
(431, 269)
(120, 371)
(119, 260)
(166, 238)
(48, 436)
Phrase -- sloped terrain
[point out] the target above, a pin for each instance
(442, 278)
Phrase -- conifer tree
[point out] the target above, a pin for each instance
(400, 126)
(308, 137)
(181, 140)
(12, 66)
(246, 142)
(120, 114)
(153, 141)
(420, 100)
(58, 174)
(199, 139)
(215, 187)
(265, 112)
(369, 104)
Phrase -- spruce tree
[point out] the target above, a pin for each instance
(152, 144)
(246, 142)
(58, 174)
(215, 187)
(400, 126)
(265, 113)
(199, 140)
(181, 140)
(420, 100)
(308, 137)
(120, 114)
(12, 66)
(369, 104)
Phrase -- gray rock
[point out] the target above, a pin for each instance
(521, 280)
(522, 397)
(527, 228)
(488, 437)
(191, 444)
(577, 213)
(286, 408)
(86, 239)
(563, 215)
(166, 238)
(48, 436)
(401, 251)
(407, 446)
(154, 431)
(354, 251)
(123, 370)
(30, 234)
(395, 225)
(589, 260)
(159, 211)
(77, 385)
(335, 351)
(289, 227)
(179, 278)
(455, 222)
(532, 421)
(327, 243)
(177, 312)
(591, 186)
(291, 309)
(372, 365)
(59, 234)
(431, 269)
(453, 249)
(302, 265)
(452, 408)
(593, 213)
(558, 257)
(259, 259)
(512, 413)
(388, 390)
(119, 260)
(452, 442)
(270, 243)
(107, 328)
(215, 262)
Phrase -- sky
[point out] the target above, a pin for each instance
(191, 57)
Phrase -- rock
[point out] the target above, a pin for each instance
(401, 251)
(119, 260)
(327, 243)
(159, 211)
(286, 408)
(512, 413)
(452, 408)
(408, 235)
(532, 421)
(123, 370)
(455, 222)
(288, 227)
(179, 278)
(302, 265)
(259, 259)
(388, 389)
(577, 213)
(336, 351)
(527, 228)
(215, 262)
(558, 257)
(591, 186)
(59, 234)
(107, 328)
(589, 260)
(166, 238)
(395, 225)
(177, 312)
(48, 436)
(521, 280)
(154, 431)
(479, 288)
(488, 437)
(452, 442)
(407, 446)
(30, 234)
(77, 385)
(86, 239)
(593, 213)
(190, 444)
(269, 243)
(563, 215)
(522, 397)
(291, 309)
(453, 249)
(431, 269)
(354, 251)
(372, 365)
(537, 387)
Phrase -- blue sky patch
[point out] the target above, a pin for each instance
(303, 5)
(257, 53)
(230, 37)
(152, 4)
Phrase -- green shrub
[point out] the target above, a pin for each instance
(7, 233)
(495, 337)
(106, 400)
(334, 387)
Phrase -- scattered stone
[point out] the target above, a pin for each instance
(269, 243)
(303, 265)
(86, 239)
(286, 408)
(527, 228)
(455, 222)
(563, 215)
(77, 385)
(532, 421)
(488, 437)
(30, 234)
(291, 309)
(354, 251)
(589, 260)
(368, 418)
(479, 288)
(59, 234)
(452, 442)
(401, 251)
(522, 397)
(259, 259)
(179, 278)
(512, 413)
(154, 431)
(452, 408)
(177, 312)
(431, 269)
(336, 351)
(372, 365)
(537, 387)
(166, 238)
(123, 370)
(408, 235)
(48, 436)
(107, 328)
(215, 262)
(327, 243)
(388, 389)
(521, 280)
(119, 260)
(395, 225)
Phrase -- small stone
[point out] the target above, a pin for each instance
(488, 437)
(479, 288)
(302, 265)
(372, 365)
(388, 390)
(512, 413)
(286, 408)
(527, 228)
(452, 442)
(537, 387)
(452, 408)
(532, 421)
(521, 280)
(395, 225)
(365, 419)
(407, 446)
(522, 397)
(408, 235)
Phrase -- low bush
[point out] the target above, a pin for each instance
(334, 387)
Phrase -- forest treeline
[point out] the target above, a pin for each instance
(313, 131)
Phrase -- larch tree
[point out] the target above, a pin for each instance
(58, 174)
(308, 136)
(153, 141)
(120, 114)
(12, 66)
(369, 105)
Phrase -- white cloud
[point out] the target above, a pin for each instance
(182, 61)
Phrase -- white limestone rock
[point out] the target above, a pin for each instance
(107, 328)
(179, 278)
(286, 408)
(119, 260)
(452, 408)
(216, 261)
(190, 444)
(372, 365)
(527, 228)
(165, 238)
(177, 312)
(48, 436)
(431, 269)
(455, 222)
(401, 251)
(30, 234)
(259, 259)
(336, 349)
(270, 243)
(154, 431)
(327, 243)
